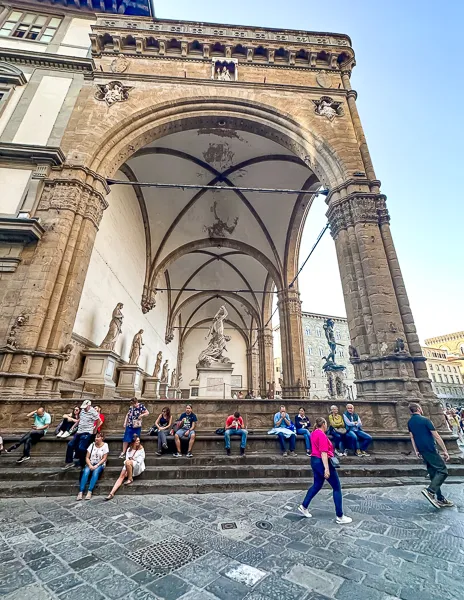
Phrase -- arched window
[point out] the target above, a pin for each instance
(318, 332)
(307, 331)
(310, 350)
(431, 366)
(338, 335)
(433, 377)
(321, 351)
(312, 371)
(341, 352)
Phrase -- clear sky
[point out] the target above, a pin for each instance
(410, 85)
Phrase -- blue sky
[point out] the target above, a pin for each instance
(410, 85)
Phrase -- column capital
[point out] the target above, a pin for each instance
(357, 208)
(289, 300)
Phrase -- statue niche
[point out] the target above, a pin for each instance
(224, 70)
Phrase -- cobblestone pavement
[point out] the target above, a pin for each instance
(229, 547)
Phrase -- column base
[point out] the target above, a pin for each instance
(151, 388)
(130, 381)
(163, 388)
(98, 372)
(294, 391)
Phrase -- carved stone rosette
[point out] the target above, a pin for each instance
(357, 208)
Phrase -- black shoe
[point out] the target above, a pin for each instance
(228, 451)
(165, 446)
(189, 455)
(242, 451)
(23, 459)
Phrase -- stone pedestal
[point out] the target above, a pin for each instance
(164, 387)
(151, 388)
(98, 371)
(130, 381)
(215, 381)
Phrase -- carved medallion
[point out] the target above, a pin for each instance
(112, 92)
(327, 107)
(119, 64)
(324, 80)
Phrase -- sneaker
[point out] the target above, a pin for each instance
(122, 455)
(345, 453)
(358, 453)
(284, 453)
(337, 453)
(158, 453)
(189, 455)
(89, 496)
(293, 454)
(23, 459)
(242, 451)
(80, 495)
(444, 503)
(228, 451)
(68, 466)
(66, 434)
(177, 455)
(344, 520)
(165, 446)
(365, 453)
(59, 434)
(304, 511)
(308, 452)
(430, 497)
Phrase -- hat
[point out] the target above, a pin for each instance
(86, 403)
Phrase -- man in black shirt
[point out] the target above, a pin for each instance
(423, 438)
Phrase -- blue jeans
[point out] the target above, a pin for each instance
(229, 432)
(291, 442)
(77, 447)
(338, 439)
(359, 439)
(318, 471)
(307, 437)
(93, 480)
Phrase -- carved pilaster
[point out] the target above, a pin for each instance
(357, 208)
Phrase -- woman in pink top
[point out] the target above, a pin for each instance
(321, 453)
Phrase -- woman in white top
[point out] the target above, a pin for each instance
(133, 466)
(95, 462)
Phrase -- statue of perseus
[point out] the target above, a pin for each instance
(114, 329)
(330, 364)
(217, 343)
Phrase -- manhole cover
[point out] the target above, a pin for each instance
(166, 556)
(228, 525)
(264, 525)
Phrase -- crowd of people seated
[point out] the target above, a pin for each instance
(88, 450)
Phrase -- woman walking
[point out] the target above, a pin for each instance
(68, 422)
(321, 463)
(95, 462)
(133, 423)
(163, 423)
(134, 465)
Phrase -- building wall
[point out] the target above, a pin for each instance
(116, 275)
(195, 343)
(447, 380)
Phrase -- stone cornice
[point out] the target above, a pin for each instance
(359, 181)
(47, 61)
(448, 337)
(26, 153)
(20, 230)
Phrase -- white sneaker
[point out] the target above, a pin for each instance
(304, 511)
(59, 434)
(65, 434)
(344, 520)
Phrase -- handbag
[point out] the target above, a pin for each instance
(153, 430)
(136, 423)
(334, 462)
(220, 431)
(340, 430)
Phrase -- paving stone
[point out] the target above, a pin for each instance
(382, 585)
(299, 546)
(31, 592)
(35, 554)
(169, 587)
(405, 554)
(126, 566)
(84, 562)
(370, 544)
(97, 572)
(226, 589)
(365, 566)
(198, 575)
(278, 588)
(349, 590)
(245, 574)
(373, 526)
(199, 595)
(83, 592)
(314, 580)
(11, 567)
(54, 571)
(16, 580)
(345, 572)
(116, 586)
(64, 583)
(141, 594)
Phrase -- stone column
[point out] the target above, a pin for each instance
(293, 361)
(47, 286)
(266, 358)
(252, 355)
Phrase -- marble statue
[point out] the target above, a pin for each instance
(165, 372)
(330, 364)
(217, 344)
(173, 378)
(159, 358)
(114, 329)
(136, 348)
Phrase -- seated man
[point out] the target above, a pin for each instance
(359, 439)
(235, 426)
(89, 422)
(284, 428)
(185, 430)
(302, 426)
(39, 428)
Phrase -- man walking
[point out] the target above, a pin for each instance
(39, 428)
(89, 421)
(235, 426)
(423, 438)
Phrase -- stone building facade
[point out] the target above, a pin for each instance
(97, 105)
(447, 380)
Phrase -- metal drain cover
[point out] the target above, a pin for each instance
(228, 525)
(264, 525)
(166, 556)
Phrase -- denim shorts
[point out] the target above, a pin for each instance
(130, 432)
(181, 433)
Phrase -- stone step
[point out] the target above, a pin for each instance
(27, 489)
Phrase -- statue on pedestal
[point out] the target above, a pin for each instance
(165, 372)
(136, 348)
(174, 378)
(330, 364)
(217, 343)
(114, 329)
(159, 358)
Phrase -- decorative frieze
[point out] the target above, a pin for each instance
(357, 208)
(75, 196)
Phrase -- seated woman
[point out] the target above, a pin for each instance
(302, 425)
(163, 423)
(337, 430)
(68, 422)
(134, 465)
(95, 462)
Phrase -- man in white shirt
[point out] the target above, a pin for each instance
(89, 421)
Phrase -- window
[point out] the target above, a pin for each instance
(312, 371)
(456, 379)
(321, 351)
(338, 335)
(307, 331)
(449, 368)
(455, 370)
(30, 26)
(433, 377)
(4, 93)
(445, 378)
(341, 353)
(439, 378)
(318, 332)
(310, 350)
(431, 367)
